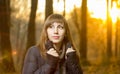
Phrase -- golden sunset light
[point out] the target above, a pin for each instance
(58, 6)
(115, 12)
(41, 6)
(70, 4)
(28, 31)
(97, 8)
(14, 52)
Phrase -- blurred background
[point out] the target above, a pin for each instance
(94, 25)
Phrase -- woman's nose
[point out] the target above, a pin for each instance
(55, 30)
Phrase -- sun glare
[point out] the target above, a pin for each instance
(69, 6)
(41, 5)
(58, 6)
(97, 8)
(114, 12)
(14, 52)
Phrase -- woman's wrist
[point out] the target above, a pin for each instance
(52, 61)
(69, 50)
(52, 52)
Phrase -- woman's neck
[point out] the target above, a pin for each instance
(57, 46)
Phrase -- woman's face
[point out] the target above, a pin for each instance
(56, 32)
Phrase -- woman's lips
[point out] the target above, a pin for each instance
(56, 37)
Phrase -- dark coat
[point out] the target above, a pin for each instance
(35, 64)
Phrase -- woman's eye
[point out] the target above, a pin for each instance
(50, 26)
(60, 27)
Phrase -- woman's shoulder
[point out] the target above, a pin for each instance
(33, 50)
(32, 55)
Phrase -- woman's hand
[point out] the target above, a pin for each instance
(50, 48)
(69, 48)
(53, 52)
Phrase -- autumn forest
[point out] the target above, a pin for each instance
(94, 26)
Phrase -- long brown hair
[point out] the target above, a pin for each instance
(43, 37)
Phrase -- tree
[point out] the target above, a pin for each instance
(7, 64)
(64, 8)
(31, 25)
(83, 38)
(116, 37)
(109, 30)
(48, 8)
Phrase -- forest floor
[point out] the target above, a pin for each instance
(113, 67)
(97, 69)
(104, 68)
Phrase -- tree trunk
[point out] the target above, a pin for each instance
(48, 8)
(109, 31)
(116, 38)
(64, 8)
(31, 25)
(7, 64)
(83, 38)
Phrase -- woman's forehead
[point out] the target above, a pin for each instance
(57, 20)
(58, 23)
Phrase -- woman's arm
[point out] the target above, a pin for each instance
(31, 63)
(49, 67)
(73, 64)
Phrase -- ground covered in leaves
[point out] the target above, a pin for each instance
(103, 68)
(112, 67)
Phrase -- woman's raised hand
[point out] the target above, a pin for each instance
(51, 50)
(69, 48)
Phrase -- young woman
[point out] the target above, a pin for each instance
(55, 52)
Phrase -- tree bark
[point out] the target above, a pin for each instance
(109, 31)
(83, 34)
(48, 8)
(7, 64)
(64, 8)
(31, 25)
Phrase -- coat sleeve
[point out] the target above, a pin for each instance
(31, 64)
(72, 64)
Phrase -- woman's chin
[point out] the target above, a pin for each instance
(56, 41)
